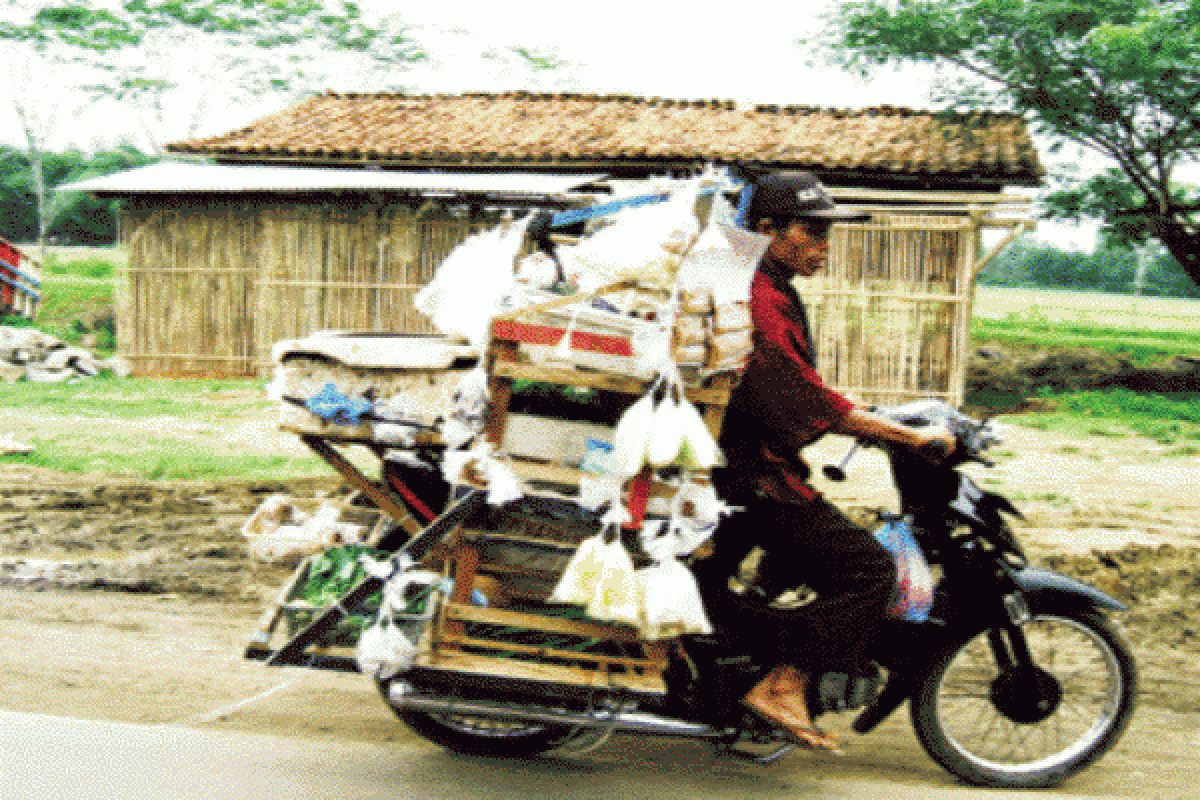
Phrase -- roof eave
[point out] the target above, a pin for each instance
(624, 167)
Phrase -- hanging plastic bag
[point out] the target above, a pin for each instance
(696, 511)
(914, 580)
(581, 575)
(632, 434)
(468, 409)
(504, 485)
(383, 649)
(388, 646)
(666, 433)
(698, 449)
(618, 595)
(671, 603)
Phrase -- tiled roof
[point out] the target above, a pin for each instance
(538, 131)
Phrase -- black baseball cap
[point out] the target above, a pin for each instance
(789, 193)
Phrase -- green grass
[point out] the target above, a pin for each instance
(163, 458)
(109, 397)
(98, 264)
(1169, 419)
(92, 428)
(1141, 347)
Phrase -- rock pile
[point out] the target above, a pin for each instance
(29, 354)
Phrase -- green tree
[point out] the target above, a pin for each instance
(1121, 77)
(172, 62)
(1112, 267)
(75, 217)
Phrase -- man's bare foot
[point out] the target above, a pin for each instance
(780, 699)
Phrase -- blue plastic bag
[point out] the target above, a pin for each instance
(914, 580)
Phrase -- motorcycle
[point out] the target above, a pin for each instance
(1015, 676)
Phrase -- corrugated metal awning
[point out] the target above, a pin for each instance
(179, 177)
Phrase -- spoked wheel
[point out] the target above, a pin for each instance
(989, 720)
(479, 736)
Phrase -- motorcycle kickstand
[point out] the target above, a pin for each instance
(763, 760)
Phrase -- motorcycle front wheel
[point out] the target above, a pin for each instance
(992, 722)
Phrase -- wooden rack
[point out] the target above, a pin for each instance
(612, 656)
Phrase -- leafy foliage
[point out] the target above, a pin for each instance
(1121, 77)
(75, 217)
(1111, 268)
(172, 60)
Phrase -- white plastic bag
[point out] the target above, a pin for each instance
(473, 282)
(666, 433)
(468, 409)
(632, 435)
(383, 649)
(724, 257)
(618, 595)
(698, 448)
(914, 580)
(388, 646)
(671, 603)
(581, 575)
(642, 242)
(696, 511)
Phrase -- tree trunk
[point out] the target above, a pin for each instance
(1181, 243)
(39, 189)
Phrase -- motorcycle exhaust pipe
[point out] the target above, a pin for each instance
(403, 697)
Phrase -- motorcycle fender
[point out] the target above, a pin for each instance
(1043, 584)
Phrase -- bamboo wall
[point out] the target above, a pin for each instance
(210, 288)
(890, 313)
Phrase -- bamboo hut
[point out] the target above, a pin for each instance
(382, 186)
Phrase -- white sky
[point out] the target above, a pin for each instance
(742, 50)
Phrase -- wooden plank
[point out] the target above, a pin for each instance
(520, 619)
(569, 476)
(605, 381)
(260, 640)
(539, 651)
(380, 497)
(529, 333)
(499, 390)
(452, 661)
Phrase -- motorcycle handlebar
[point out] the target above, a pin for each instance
(972, 436)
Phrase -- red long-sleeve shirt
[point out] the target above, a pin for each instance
(781, 404)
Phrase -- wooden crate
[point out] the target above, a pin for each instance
(542, 649)
(525, 555)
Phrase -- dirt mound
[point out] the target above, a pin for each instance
(995, 371)
(146, 538)
(1158, 583)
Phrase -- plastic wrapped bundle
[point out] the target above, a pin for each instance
(723, 259)
(643, 243)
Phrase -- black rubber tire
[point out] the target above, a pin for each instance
(937, 714)
(479, 737)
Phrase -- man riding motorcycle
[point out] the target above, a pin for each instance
(781, 405)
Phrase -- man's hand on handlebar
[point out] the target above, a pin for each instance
(934, 445)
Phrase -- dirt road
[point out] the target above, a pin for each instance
(131, 602)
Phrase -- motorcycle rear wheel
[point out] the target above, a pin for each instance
(479, 736)
(1028, 727)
